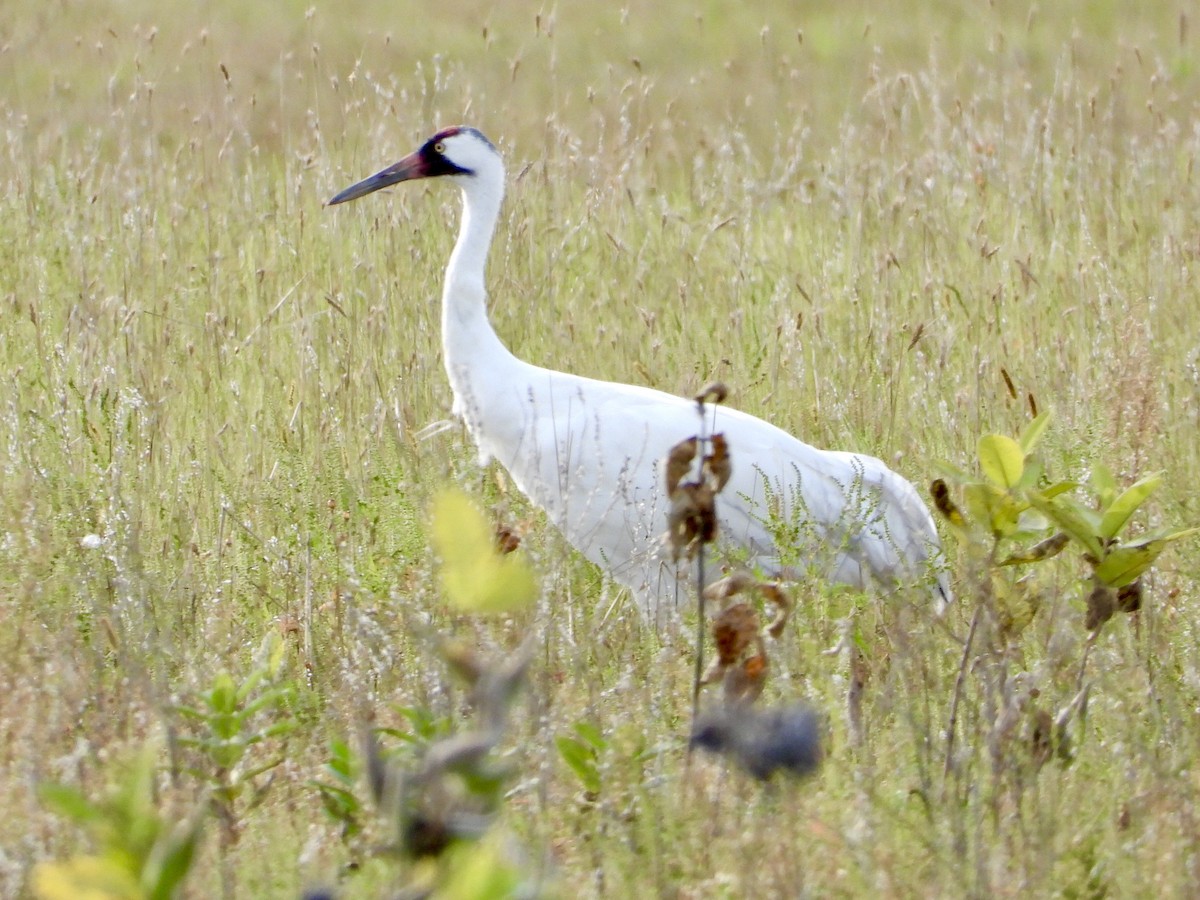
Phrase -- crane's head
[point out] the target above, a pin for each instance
(460, 153)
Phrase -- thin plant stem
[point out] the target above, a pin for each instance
(959, 681)
(699, 670)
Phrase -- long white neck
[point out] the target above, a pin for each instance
(474, 355)
(482, 196)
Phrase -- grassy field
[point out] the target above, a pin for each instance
(889, 231)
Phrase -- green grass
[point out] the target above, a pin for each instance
(856, 219)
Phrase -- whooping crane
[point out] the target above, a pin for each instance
(590, 453)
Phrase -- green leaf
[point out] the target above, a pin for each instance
(1124, 565)
(339, 803)
(480, 871)
(486, 781)
(1081, 524)
(67, 801)
(581, 758)
(1165, 534)
(247, 687)
(341, 762)
(222, 698)
(1121, 509)
(592, 735)
(1032, 523)
(277, 655)
(474, 576)
(1060, 487)
(279, 695)
(1034, 470)
(1103, 483)
(1001, 459)
(253, 773)
(171, 860)
(280, 728)
(993, 507)
(1050, 547)
(90, 877)
(1033, 433)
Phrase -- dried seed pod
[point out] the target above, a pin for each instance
(679, 463)
(691, 520)
(717, 465)
(1041, 737)
(943, 504)
(715, 392)
(1051, 546)
(772, 592)
(506, 539)
(741, 581)
(682, 523)
(730, 586)
(1101, 604)
(734, 630)
(706, 513)
(287, 625)
(1129, 598)
(744, 684)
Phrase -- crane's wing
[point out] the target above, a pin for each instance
(590, 453)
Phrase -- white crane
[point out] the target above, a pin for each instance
(590, 453)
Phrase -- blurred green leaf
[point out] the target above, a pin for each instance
(276, 654)
(1125, 564)
(1124, 506)
(171, 860)
(1001, 459)
(1046, 549)
(475, 577)
(1103, 483)
(341, 760)
(1034, 469)
(1059, 487)
(68, 802)
(592, 735)
(1170, 535)
(480, 871)
(1032, 522)
(1033, 433)
(423, 723)
(140, 853)
(989, 504)
(231, 724)
(85, 878)
(581, 758)
(1080, 523)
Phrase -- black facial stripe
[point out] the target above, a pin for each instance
(435, 163)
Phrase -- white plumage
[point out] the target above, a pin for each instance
(590, 453)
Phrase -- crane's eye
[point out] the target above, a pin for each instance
(439, 148)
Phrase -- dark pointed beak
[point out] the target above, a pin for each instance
(412, 166)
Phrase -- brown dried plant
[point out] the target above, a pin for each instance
(742, 664)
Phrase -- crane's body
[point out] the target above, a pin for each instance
(590, 453)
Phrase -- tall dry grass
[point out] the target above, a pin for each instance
(218, 400)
